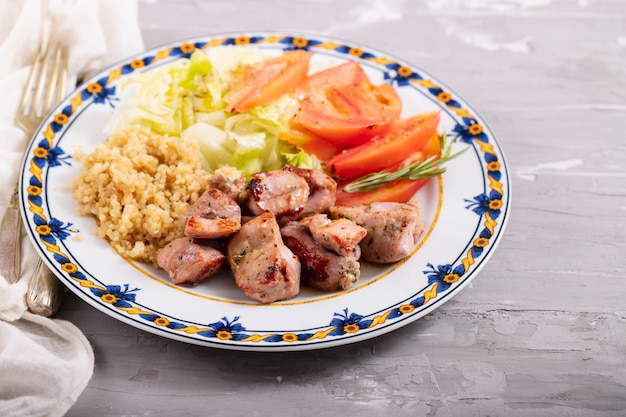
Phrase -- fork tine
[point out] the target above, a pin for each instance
(31, 80)
(36, 104)
(58, 79)
(47, 104)
(41, 83)
(46, 86)
(62, 87)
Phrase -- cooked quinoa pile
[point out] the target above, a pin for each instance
(137, 184)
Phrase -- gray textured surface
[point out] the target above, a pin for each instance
(541, 331)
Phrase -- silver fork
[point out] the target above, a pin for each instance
(46, 87)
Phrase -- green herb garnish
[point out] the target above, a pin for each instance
(428, 168)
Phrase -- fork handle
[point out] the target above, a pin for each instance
(45, 291)
(10, 241)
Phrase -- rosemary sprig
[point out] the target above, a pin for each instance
(428, 168)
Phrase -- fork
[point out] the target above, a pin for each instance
(45, 88)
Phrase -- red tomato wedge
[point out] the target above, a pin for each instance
(408, 140)
(309, 142)
(262, 83)
(399, 191)
(342, 105)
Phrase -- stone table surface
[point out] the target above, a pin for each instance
(541, 330)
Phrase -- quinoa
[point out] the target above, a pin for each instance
(137, 184)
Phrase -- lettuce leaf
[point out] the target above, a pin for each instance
(249, 140)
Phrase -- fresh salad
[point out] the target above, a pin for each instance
(257, 113)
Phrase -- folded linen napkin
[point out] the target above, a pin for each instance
(46, 363)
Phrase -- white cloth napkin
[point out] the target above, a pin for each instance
(45, 364)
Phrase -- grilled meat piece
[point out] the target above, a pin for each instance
(321, 268)
(213, 216)
(188, 261)
(231, 182)
(264, 268)
(281, 192)
(322, 190)
(341, 236)
(393, 229)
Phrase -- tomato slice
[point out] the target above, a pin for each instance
(342, 105)
(262, 83)
(309, 142)
(406, 141)
(399, 191)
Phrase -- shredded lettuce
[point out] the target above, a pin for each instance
(186, 98)
(249, 141)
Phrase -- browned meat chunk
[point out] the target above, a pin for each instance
(189, 262)
(341, 236)
(322, 190)
(264, 268)
(280, 192)
(393, 229)
(231, 182)
(321, 268)
(213, 216)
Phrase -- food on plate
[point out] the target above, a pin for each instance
(321, 268)
(275, 250)
(287, 172)
(341, 236)
(280, 192)
(290, 192)
(189, 98)
(321, 190)
(399, 191)
(137, 184)
(393, 229)
(408, 140)
(189, 261)
(342, 105)
(214, 215)
(230, 181)
(398, 184)
(264, 268)
(261, 83)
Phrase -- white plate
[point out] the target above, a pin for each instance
(465, 211)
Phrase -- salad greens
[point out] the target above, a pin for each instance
(186, 98)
